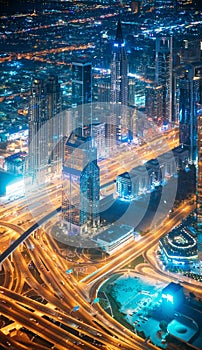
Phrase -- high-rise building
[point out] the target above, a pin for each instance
(98, 139)
(54, 106)
(81, 93)
(164, 74)
(45, 129)
(153, 101)
(190, 51)
(97, 131)
(101, 89)
(81, 183)
(119, 69)
(187, 96)
(119, 124)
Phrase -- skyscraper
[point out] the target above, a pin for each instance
(164, 74)
(81, 183)
(81, 93)
(188, 87)
(45, 129)
(153, 101)
(54, 106)
(119, 69)
(119, 90)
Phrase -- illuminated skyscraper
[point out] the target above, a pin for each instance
(153, 103)
(101, 89)
(119, 90)
(188, 87)
(81, 93)
(119, 69)
(164, 74)
(81, 183)
(45, 129)
(54, 105)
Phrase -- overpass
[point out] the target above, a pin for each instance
(26, 234)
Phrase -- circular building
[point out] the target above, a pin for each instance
(178, 247)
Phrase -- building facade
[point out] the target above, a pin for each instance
(45, 129)
(115, 238)
(16, 163)
(145, 177)
(81, 184)
(81, 93)
(164, 63)
(118, 123)
(178, 248)
(188, 87)
(154, 102)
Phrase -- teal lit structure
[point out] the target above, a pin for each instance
(172, 297)
(81, 184)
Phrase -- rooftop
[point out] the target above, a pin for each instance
(113, 233)
(172, 288)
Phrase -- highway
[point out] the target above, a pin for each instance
(61, 298)
(56, 307)
(113, 167)
(138, 155)
(26, 234)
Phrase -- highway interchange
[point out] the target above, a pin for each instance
(37, 293)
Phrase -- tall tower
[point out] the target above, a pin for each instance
(81, 183)
(164, 62)
(188, 87)
(119, 88)
(54, 107)
(81, 93)
(153, 101)
(45, 128)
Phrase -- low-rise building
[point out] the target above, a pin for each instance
(16, 163)
(114, 238)
(11, 185)
(144, 178)
(130, 185)
(178, 247)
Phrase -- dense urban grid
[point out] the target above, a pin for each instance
(100, 174)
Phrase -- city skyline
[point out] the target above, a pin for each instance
(100, 175)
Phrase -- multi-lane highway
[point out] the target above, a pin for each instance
(42, 270)
(134, 156)
(48, 306)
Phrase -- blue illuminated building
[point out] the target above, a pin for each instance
(187, 87)
(130, 185)
(178, 248)
(11, 185)
(45, 128)
(15, 163)
(81, 92)
(118, 126)
(119, 69)
(144, 178)
(172, 296)
(164, 64)
(81, 184)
